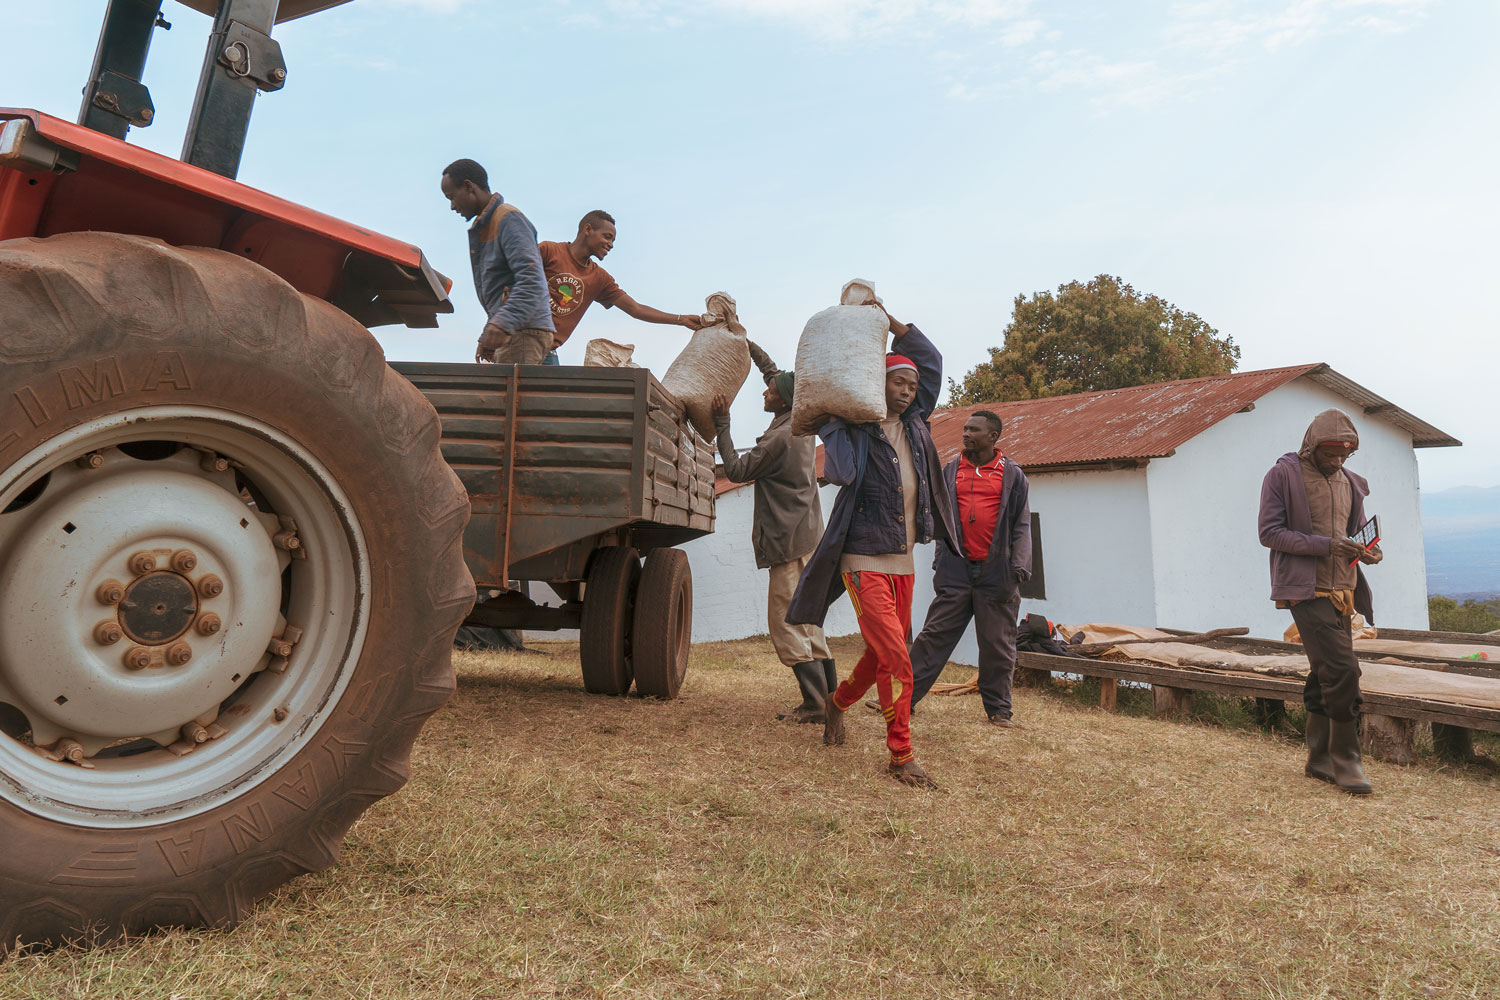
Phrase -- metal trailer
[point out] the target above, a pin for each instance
(572, 474)
(232, 553)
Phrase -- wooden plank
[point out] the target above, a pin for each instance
(1109, 689)
(1471, 638)
(1260, 686)
(1473, 668)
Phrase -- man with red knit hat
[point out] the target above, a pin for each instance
(892, 500)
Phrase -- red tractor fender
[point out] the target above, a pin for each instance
(57, 177)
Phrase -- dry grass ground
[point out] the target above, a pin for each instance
(556, 844)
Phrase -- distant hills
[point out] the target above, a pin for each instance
(1461, 532)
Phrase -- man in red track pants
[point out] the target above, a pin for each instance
(882, 601)
(892, 499)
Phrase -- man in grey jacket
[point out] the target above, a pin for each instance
(508, 276)
(788, 523)
(980, 581)
(1310, 505)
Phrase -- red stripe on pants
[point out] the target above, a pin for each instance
(883, 603)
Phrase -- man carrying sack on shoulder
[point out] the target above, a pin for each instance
(788, 523)
(891, 501)
(1310, 505)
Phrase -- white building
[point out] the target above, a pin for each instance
(1144, 502)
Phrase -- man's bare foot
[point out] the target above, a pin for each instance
(911, 773)
(801, 714)
(833, 724)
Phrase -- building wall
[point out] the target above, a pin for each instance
(1096, 541)
(729, 593)
(1211, 570)
(1172, 544)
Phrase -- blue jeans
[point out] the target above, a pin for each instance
(551, 358)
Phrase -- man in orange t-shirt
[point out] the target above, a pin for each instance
(575, 282)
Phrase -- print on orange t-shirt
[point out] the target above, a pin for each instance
(979, 497)
(573, 288)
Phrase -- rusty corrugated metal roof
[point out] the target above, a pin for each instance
(1117, 425)
(1143, 422)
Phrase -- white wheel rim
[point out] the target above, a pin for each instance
(75, 689)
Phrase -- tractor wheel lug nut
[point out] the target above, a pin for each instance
(210, 586)
(137, 658)
(194, 733)
(142, 563)
(93, 460)
(110, 592)
(108, 632)
(209, 623)
(287, 541)
(183, 561)
(179, 653)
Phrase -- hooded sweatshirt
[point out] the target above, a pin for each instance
(1328, 497)
(1300, 560)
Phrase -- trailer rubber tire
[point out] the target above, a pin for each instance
(609, 602)
(110, 335)
(663, 623)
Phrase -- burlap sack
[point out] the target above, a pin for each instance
(603, 353)
(841, 362)
(714, 363)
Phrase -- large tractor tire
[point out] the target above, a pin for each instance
(230, 576)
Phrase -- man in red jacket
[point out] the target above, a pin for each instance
(980, 582)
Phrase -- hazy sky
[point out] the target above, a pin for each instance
(1316, 178)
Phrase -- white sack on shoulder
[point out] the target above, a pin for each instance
(601, 353)
(841, 362)
(714, 363)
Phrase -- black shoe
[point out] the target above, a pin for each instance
(810, 680)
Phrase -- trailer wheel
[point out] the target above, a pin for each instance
(233, 572)
(663, 623)
(609, 602)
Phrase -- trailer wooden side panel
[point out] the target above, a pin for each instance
(595, 452)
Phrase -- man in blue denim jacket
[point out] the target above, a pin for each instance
(508, 276)
(892, 500)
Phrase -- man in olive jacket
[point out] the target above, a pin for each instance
(980, 581)
(788, 523)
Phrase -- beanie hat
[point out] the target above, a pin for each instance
(785, 383)
(897, 362)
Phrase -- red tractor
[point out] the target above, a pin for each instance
(231, 558)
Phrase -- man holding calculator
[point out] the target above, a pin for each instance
(1311, 510)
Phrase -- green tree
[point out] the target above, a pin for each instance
(1088, 337)
(1447, 615)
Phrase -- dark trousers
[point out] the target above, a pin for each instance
(1332, 687)
(993, 612)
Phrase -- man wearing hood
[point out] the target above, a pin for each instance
(788, 523)
(1310, 505)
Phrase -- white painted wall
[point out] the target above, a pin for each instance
(1173, 544)
(1096, 538)
(1211, 570)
